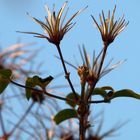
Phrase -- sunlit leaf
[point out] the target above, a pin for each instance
(107, 88)
(65, 115)
(105, 91)
(5, 75)
(99, 91)
(125, 93)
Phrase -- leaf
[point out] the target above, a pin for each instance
(105, 92)
(36, 81)
(107, 88)
(71, 96)
(42, 82)
(99, 91)
(125, 93)
(46, 80)
(5, 75)
(29, 83)
(65, 115)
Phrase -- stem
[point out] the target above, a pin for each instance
(22, 118)
(1, 122)
(82, 129)
(41, 91)
(99, 101)
(82, 92)
(84, 108)
(67, 74)
(99, 71)
(102, 59)
(83, 112)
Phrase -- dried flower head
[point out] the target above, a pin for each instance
(15, 57)
(88, 72)
(83, 72)
(54, 25)
(110, 27)
(109, 133)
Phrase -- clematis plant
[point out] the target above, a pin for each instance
(55, 31)
(54, 25)
(109, 27)
(89, 73)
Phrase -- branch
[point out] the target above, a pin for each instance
(99, 101)
(22, 118)
(42, 91)
(1, 121)
(102, 60)
(99, 70)
(67, 74)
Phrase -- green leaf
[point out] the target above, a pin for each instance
(65, 115)
(29, 83)
(125, 93)
(105, 92)
(107, 88)
(71, 96)
(99, 91)
(46, 80)
(42, 82)
(36, 81)
(5, 75)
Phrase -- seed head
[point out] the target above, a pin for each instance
(110, 27)
(54, 25)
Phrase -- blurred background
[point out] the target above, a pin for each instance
(13, 18)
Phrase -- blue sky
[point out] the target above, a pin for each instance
(126, 46)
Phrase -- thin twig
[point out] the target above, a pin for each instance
(99, 71)
(102, 60)
(2, 122)
(99, 101)
(67, 74)
(41, 91)
(22, 118)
